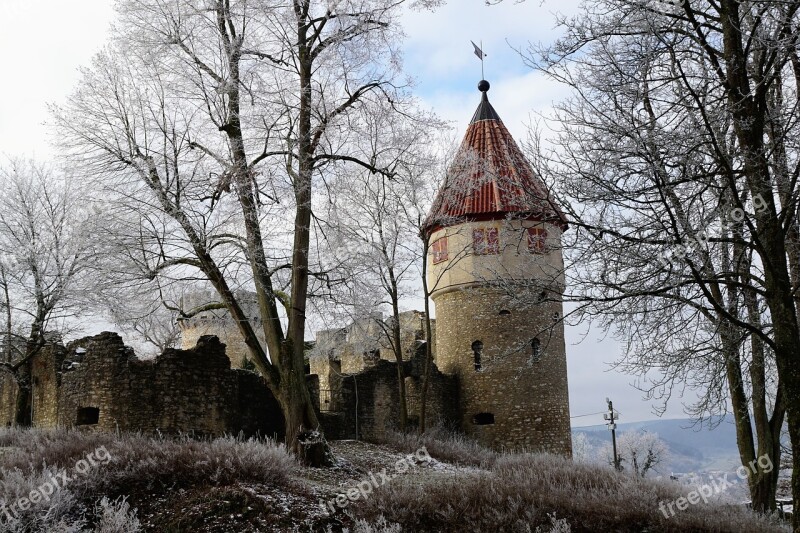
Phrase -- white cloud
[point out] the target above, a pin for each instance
(42, 44)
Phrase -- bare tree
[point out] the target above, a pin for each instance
(368, 220)
(46, 254)
(641, 451)
(422, 189)
(222, 119)
(374, 239)
(147, 315)
(677, 151)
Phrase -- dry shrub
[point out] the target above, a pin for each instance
(137, 462)
(60, 448)
(445, 445)
(380, 526)
(60, 511)
(152, 462)
(522, 492)
(116, 517)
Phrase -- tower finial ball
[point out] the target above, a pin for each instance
(483, 86)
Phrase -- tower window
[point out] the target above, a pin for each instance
(504, 312)
(483, 419)
(537, 240)
(536, 350)
(486, 241)
(477, 351)
(88, 416)
(439, 250)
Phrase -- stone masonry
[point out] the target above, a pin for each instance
(360, 393)
(98, 382)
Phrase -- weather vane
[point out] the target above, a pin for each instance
(480, 54)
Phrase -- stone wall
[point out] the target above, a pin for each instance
(257, 411)
(516, 400)
(105, 386)
(218, 322)
(359, 347)
(45, 368)
(369, 400)
(8, 397)
(45, 373)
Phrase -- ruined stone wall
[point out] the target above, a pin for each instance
(411, 331)
(45, 368)
(45, 373)
(180, 391)
(370, 401)
(227, 332)
(358, 348)
(515, 401)
(257, 410)
(443, 405)
(8, 397)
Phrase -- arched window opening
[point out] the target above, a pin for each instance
(536, 349)
(483, 419)
(477, 352)
(504, 312)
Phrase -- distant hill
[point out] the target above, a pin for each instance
(693, 448)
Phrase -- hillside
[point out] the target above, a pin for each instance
(132, 483)
(693, 448)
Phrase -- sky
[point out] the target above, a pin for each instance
(44, 42)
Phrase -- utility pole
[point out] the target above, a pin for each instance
(612, 426)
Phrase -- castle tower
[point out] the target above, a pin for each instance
(496, 275)
(220, 323)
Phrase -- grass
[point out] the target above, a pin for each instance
(125, 466)
(523, 492)
(227, 484)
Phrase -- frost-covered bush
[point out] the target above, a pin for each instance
(116, 517)
(32, 459)
(522, 492)
(139, 459)
(56, 511)
(444, 445)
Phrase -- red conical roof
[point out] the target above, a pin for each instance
(490, 179)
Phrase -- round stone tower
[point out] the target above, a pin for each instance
(220, 323)
(495, 269)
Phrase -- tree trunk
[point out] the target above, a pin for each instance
(23, 416)
(303, 434)
(747, 107)
(398, 353)
(423, 400)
